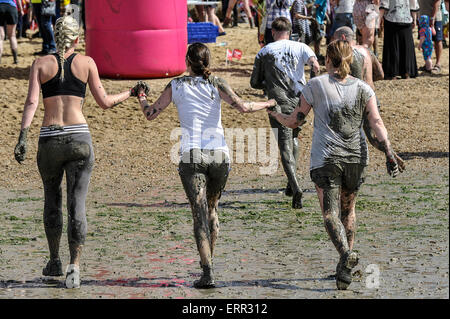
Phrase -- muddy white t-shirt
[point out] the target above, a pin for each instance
(199, 111)
(339, 108)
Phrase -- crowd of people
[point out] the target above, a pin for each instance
(397, 22)
(346, 116)
(18, 16)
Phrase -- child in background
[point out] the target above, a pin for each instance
(319, 27)
(425, 43)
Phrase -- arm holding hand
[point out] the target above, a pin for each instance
(296, 118)
(227, 94)
(104, 100)
(152, 111)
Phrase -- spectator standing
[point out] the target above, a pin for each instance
(275, 9)
(301, 22)
(343, 14)
(248, 12)
(10, 17)
(399, 57)
(426, 43)
(45, 28)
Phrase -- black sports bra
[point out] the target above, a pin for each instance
(71, 84)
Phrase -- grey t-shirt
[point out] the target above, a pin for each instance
(345, 6)
(338, 135)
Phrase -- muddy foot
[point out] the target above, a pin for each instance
(297, 200)
(53, 268)
(288, 190)
(207, 279)
(73, 276)
(344, 269)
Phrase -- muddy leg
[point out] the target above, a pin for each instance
(348, 216)
(53, 219)
(78, 174)
(333, 225)
(287, 147)
(213, 220)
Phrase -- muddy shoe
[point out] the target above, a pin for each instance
(344, 269)
(297, 200)
(53, 268)
(206, 280)
(73, 276)
(288, 190)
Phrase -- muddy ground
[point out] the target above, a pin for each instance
(140, 242)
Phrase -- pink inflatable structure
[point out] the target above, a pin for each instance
(137, 38)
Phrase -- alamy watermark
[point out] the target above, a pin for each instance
(261, 145)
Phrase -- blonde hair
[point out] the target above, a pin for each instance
(67, 30)
(340, 54)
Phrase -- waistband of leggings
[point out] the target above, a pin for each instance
(56, 130)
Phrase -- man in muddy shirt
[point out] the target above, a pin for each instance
(279, 70)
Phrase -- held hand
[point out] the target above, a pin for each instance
(140, 87)
(271, 103)
(400, 162)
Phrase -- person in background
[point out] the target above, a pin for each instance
(318, 27)
(45, 29)
(343, 14)
(25, 20)
(210, 16)
(225, 5)
(279, 70)
(426, 44)
(275, 9)
(414, 8)
(248, 12)
(432, 9)
(301, 22)
(360, 14)
(9, 15)
(399, 55)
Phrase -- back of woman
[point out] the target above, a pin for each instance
(338, 116)
(199, 109)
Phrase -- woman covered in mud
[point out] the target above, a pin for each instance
(65, 143)
(205, 160)
(339, 153)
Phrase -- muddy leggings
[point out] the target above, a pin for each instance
(288, 146)
(72, 153)
(204, 174)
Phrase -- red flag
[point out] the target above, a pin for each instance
(229, 55)
(237, 54)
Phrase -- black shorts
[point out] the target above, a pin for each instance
(439, 32)
(8, 14)
(345, 175)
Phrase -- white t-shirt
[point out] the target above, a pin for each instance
(199, 111)
(289, 57)
(345, 6)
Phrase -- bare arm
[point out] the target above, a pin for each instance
(377, 68)
(152, 111)
(382, 141)
(32, 101)
(31, 104)
(104, 100)
(296, 118)
(227, 94)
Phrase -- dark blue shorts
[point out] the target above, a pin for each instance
(439, 32)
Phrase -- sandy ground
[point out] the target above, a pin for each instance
(140, 242)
